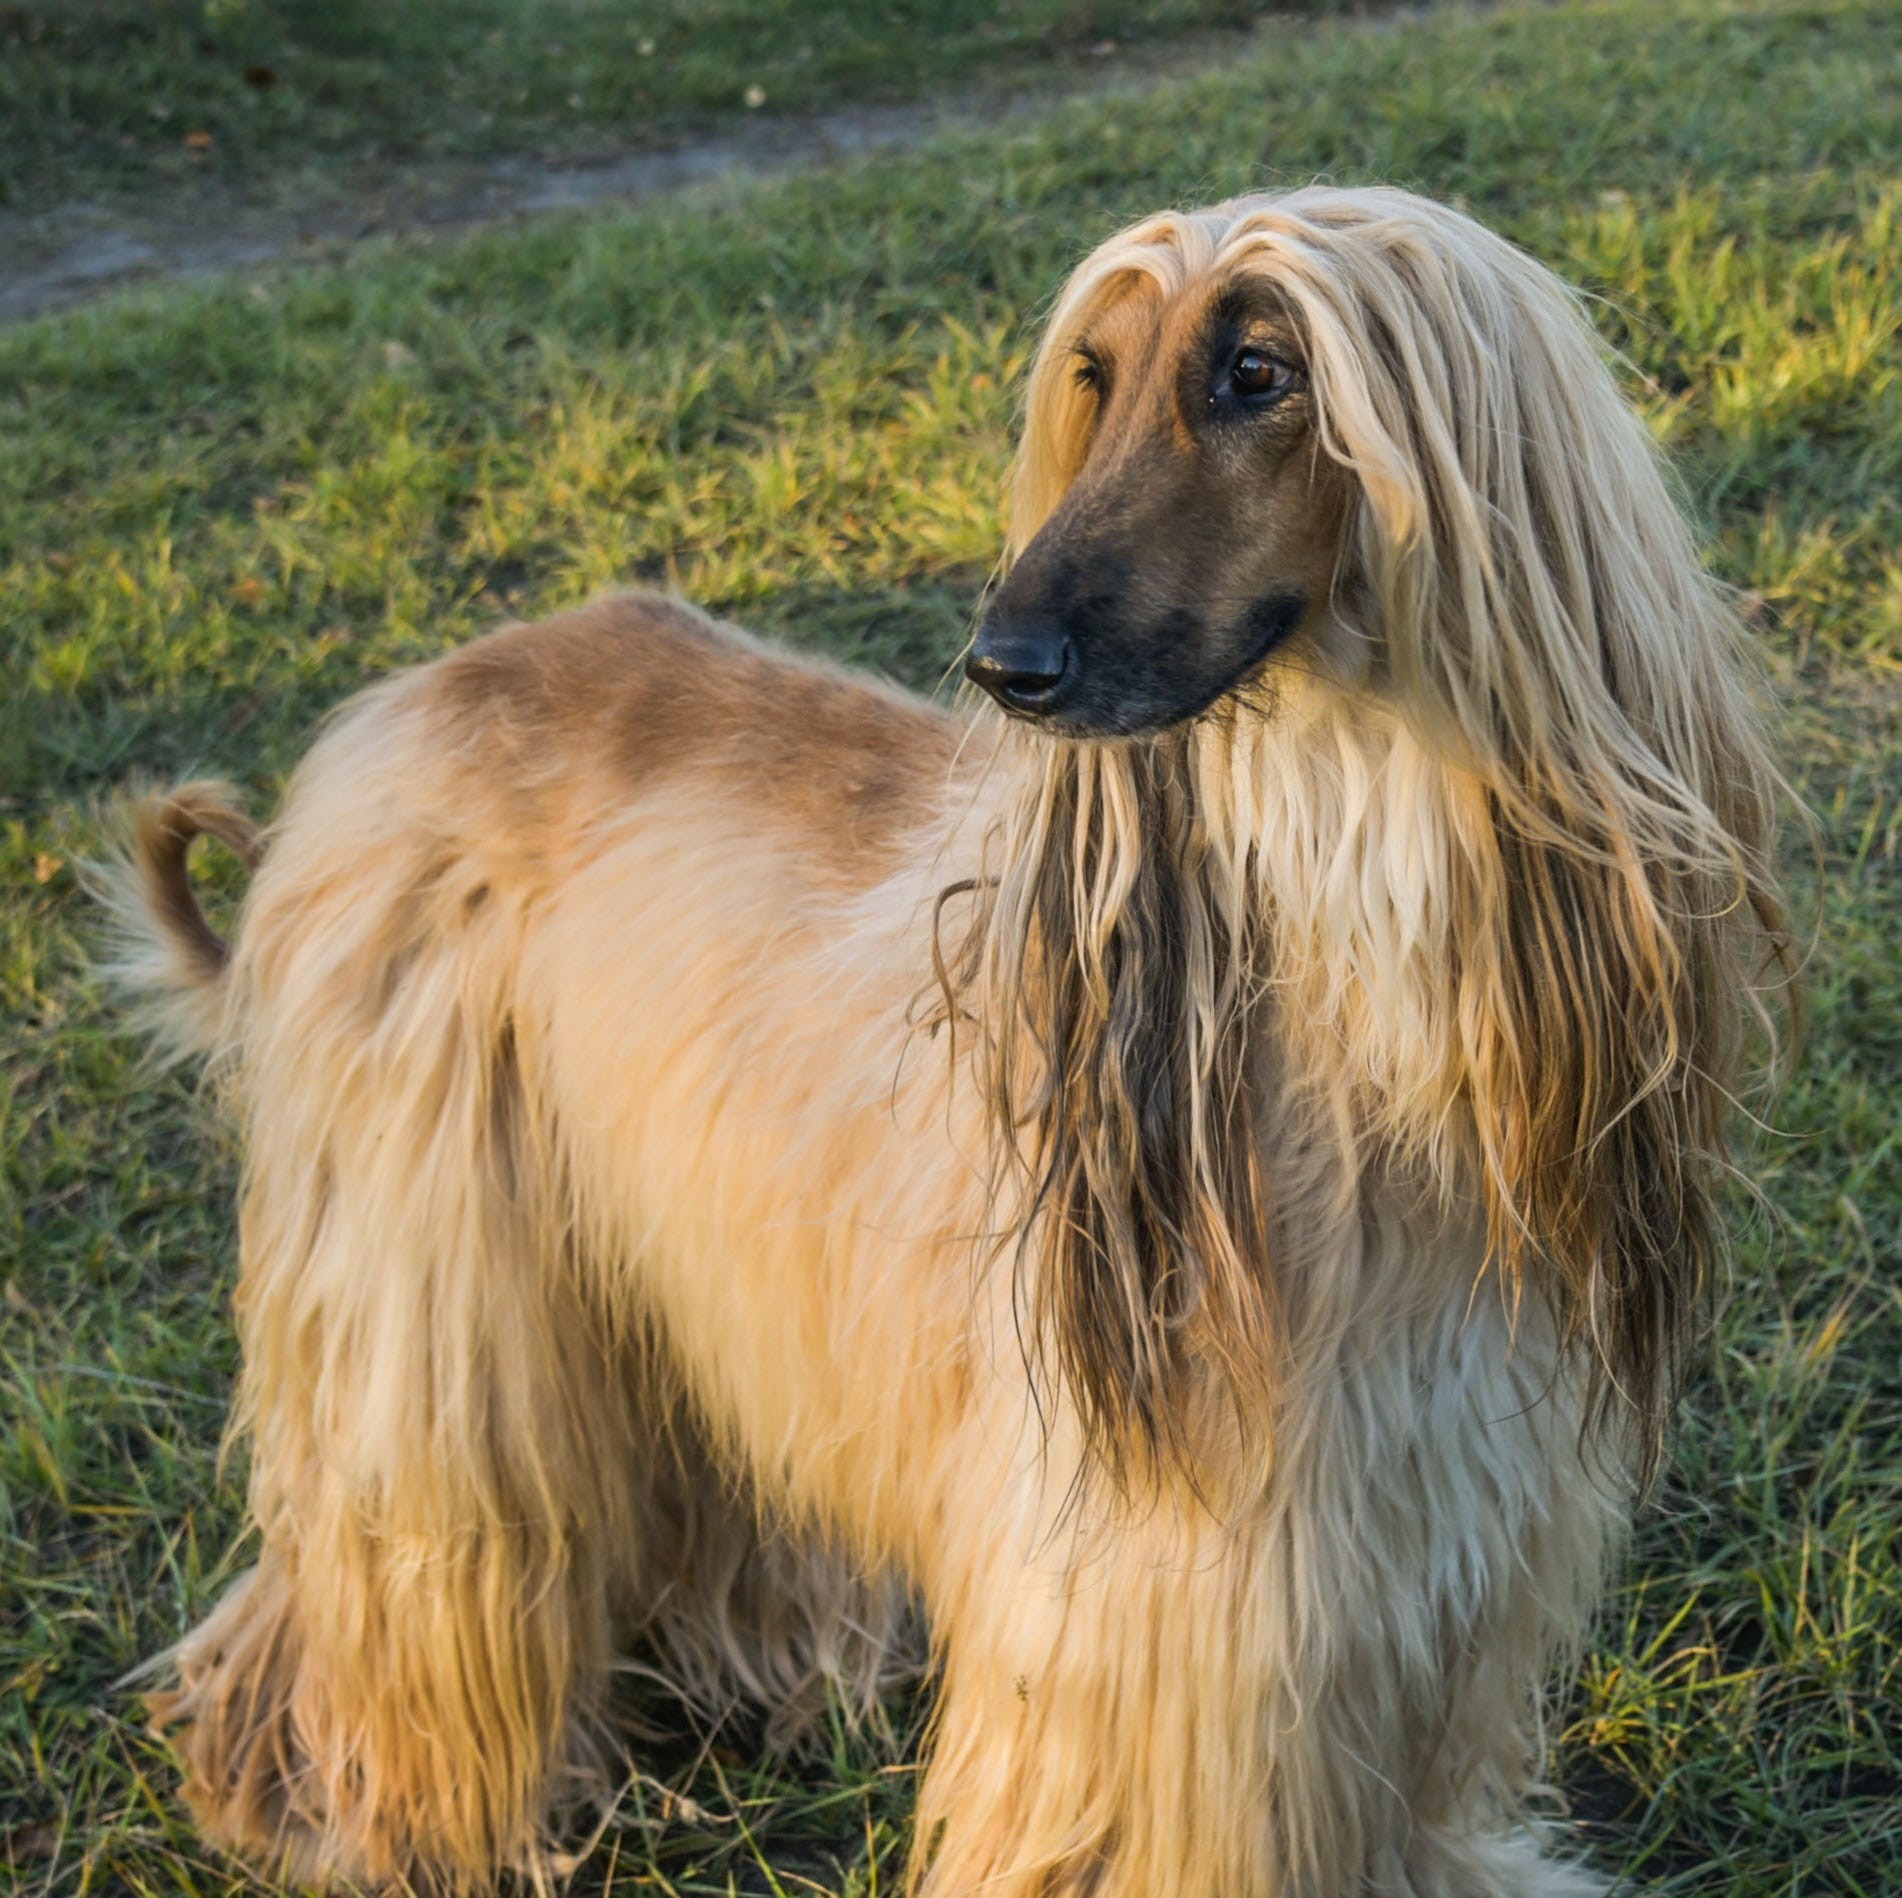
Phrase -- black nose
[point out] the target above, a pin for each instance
(1023, 668)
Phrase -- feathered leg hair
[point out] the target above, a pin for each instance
(472, 1481)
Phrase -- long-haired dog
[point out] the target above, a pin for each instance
(1203, 1186)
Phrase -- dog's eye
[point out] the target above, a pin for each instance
(1088, 372)
(1257, 377)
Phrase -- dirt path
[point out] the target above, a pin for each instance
(75, 252)
(78, 251)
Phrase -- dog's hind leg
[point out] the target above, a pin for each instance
(440, 1424)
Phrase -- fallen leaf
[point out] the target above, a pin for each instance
(249, 591)
(198, 141)
(46, 868)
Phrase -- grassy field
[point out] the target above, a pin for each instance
(221, 509)
(109, 98)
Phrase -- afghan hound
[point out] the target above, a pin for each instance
(1202, 1185)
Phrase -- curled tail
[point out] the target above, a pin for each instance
(167, 957)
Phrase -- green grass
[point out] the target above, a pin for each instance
(221, 509)
(146, 97)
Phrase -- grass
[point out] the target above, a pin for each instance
(121, 98)
(223, 508)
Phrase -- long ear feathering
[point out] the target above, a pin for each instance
(1110, 969)
(1540, 621)
(1546, 623)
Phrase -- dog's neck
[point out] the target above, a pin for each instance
(1343, 833)
(1163, 927)
(1290, 870)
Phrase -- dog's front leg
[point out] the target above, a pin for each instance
(1330, 1696)
(1101, 1727)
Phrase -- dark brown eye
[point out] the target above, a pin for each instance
(1257, 377)
(1087, 370)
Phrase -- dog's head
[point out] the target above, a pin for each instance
(1352, 428)
(1178, 516)
(1354, 436)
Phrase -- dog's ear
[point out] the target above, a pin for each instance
(1546, 627)
(1109, 970)
(1600, 1011)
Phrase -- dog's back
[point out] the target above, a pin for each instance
(504, 759)
(589, 835)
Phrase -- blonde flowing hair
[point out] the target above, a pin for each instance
(1519, 615)
(608, 1260)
